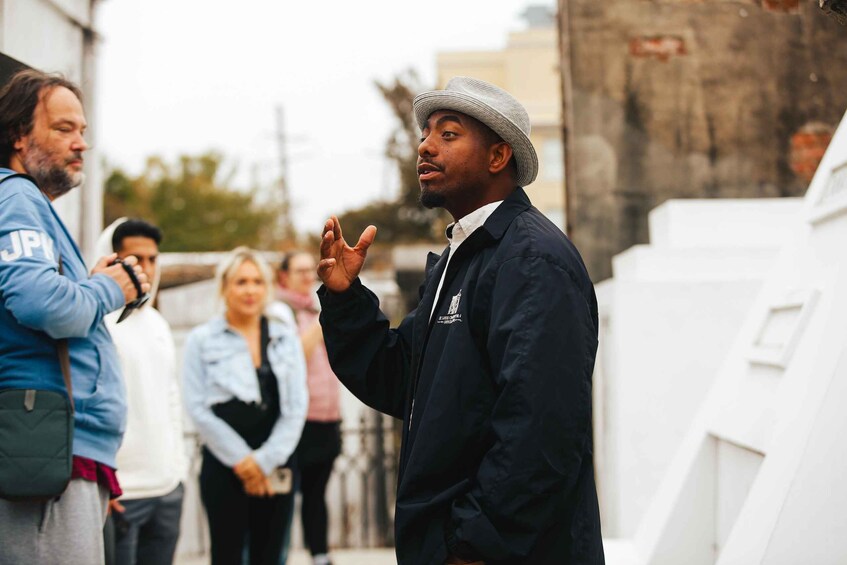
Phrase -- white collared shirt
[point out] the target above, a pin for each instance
(458, 232)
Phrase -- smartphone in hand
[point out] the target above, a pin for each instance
(282, 480)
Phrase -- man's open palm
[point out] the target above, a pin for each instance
(340, 264)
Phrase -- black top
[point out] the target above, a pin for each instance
(255, 421)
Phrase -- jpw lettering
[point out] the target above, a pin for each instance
(24, 242)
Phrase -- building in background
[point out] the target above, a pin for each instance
(527, 68)
(64, 40)
(690, 99)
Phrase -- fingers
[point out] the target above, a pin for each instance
(260, 486)
(103, 263)
(325, 265)
(132, 261)
(366, 239)
(327, 239)
(336, 228)
(140, 275)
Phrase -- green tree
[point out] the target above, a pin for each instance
(404, 219)
(194, 204)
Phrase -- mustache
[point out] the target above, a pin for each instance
(423, 161)
(76, 156)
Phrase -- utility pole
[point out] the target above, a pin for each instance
(286, 230)
(568, 136)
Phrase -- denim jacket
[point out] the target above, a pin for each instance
(218, 367)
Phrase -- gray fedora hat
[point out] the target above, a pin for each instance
(492, 106)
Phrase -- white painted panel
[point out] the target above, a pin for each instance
(779, 327)
(722, 223)
(736, 470)
(689, 535)
(79, 10)
(836, 186)
(38, 35)
(782, 327)
(667, 346)
(812, 522)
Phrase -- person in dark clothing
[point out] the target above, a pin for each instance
(491, 373)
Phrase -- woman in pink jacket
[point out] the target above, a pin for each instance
(320, 443)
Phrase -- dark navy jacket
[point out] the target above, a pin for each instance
(495, 393)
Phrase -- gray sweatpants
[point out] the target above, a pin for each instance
(66, 531)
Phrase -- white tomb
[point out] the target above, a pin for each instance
(685, 293)
(759, 475)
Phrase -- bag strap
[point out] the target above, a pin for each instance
(265, 340)
(64, 356)
(18, 176)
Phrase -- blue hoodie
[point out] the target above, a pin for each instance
(38, 306)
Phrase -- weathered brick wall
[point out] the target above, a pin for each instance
(693, 99)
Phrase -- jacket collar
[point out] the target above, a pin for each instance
(499, 220)
(495, 226)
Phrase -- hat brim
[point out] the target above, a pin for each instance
(527, 160)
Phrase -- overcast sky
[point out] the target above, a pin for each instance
(187, 76)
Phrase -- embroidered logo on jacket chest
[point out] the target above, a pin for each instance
(453, 315)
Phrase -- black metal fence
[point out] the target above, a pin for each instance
(362, 489)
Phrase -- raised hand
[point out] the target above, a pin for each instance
(340, 264)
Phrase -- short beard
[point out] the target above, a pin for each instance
(431, 199)
(53, 180)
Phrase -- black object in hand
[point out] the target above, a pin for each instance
(141, 297)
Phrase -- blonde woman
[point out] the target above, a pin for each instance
(245, 390)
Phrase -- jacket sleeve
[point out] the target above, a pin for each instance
(541, 345)
(294, 403)
(368, 357)
(33, 290)
(224, 442)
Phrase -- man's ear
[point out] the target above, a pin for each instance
(499, 157)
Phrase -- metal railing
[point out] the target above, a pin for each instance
(361, 492)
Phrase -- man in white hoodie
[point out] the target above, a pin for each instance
(152, 464)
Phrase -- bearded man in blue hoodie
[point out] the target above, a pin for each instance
(41, 158)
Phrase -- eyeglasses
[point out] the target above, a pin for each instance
(141, 297)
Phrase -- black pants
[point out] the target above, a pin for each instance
(232, 514)
(313, 480)
(319, 446)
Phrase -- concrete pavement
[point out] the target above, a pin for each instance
(339, 557)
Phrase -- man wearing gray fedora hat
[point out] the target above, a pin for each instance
(491, 373)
